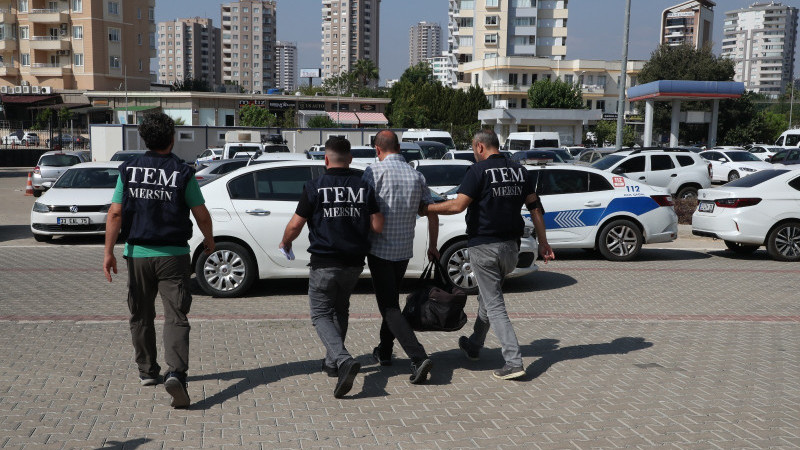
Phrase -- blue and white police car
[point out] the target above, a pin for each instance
(593, 209)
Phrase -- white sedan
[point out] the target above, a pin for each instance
(77, 203)
(442, 175)
(250, 208)
(764, 152)
(594, 209)
(728, 165)
(762, 209)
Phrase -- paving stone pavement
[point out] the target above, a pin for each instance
(685, 349)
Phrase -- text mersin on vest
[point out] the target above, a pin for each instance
(502, 175)
(343, 195)
(154, 177)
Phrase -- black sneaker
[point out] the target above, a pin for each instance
(419, 371)
(331, 371)
(509, 372)
(469, 349)
(149, 380)
(176, 387)
(347, 374)
(382, 357)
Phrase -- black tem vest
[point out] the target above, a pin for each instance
(154, 209)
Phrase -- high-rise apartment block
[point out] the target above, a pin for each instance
(76, 44)
(350, 30)
(761, 41)
(286, 70)
(444, 69)
(487, 29)
(424, 42)
(189, 48)
(248, 44)
(688, 23)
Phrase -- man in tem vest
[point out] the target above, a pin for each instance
(150, 209)
(493, 192)
(340, 210)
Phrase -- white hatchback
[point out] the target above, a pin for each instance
(78, 202)
(728, 164)
(442, 175)
(761, 209)
(251, 207)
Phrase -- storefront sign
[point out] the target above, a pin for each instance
(311, 106)
(367, 107)
(243, 103)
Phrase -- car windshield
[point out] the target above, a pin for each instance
(443, 140)
(756, 178)
(541, 143)
(518, 144)
(433, 151)
(88, 178)
(229, 167)
(465, 156)
(363, 152)
(244, 148)
(59, 160)
(533, 155)
(563, 154)
(443, 175)
(276, 149)
(121, 156)
(742, 156)
(607, 161)
(411, 154)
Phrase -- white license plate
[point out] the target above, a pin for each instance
(706, 207)
(73, 221)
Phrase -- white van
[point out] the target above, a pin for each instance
(443, 137)
(789, 138)
(532, 140)
(241, 142)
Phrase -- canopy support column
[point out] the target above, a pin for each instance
(712, 129)
(648, 122)
(675, 124)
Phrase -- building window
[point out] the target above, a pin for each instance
(77, 5)
(77, 32)
(141, 66)
(490, 39)
(23, 6)
(600, 104)
(113, 62)
(151, 14)
(139, 38)
(138, 13)
(492, 3)
(78, 59)
(113, 8)
(25, 59)
(492, 20)
(114, 34)
(24, 33)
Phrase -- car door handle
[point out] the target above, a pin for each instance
(592, 204)
(257, 212)
(641, 178)
(674, 175)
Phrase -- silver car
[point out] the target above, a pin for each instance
(50, 166)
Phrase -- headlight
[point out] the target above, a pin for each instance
(529, 232)
(747, 169)
(104, 209)
(40, 207)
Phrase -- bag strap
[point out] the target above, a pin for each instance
(426, 273)
(440, 274)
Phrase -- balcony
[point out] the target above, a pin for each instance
(49, 43)
(8, 70)
(7, 17)
(49, 70)
(8, 43)
(47, 16)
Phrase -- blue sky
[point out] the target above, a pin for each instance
(594, 27)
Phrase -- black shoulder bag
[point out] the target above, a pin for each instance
(436, 304)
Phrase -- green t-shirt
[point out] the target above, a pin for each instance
(193, 198)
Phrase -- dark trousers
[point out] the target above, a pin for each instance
(386, 279)
(329, 292)
(169, 276)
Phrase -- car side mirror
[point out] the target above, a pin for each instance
(722, 160)
(47, 184)
(618, 171)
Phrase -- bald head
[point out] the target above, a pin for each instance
(387, 141)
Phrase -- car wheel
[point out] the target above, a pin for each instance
(687, 193)
(455, 261)
(742, 249)
(42, 237)
(783, 244)
(37, 193)
(227, 272)
(733, 176)
(620, 240)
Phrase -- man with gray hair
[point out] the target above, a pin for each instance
(493, 192)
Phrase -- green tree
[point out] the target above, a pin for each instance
(288, 119)
(606, 131)
(43, 118)
(64, 116)
(191, 84)
(684, 62)
(321, 122)
(549, 93)
(256, 116)
(366, 71)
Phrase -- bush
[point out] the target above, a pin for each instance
(684, 208)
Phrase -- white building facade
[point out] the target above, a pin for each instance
(248, 44)
(424, 42)
(350, 31)
(286, 65)
(690, 23)
(444, 69)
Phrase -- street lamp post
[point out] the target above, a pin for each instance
(623, 75)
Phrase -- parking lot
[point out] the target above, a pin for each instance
(689, 346)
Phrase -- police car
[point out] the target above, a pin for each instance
(593, 209)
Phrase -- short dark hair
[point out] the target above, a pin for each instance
(487, 137)
(339, 147)
(157, 131)
(387, 140)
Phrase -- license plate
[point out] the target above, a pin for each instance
(73, 221)
(705, 207)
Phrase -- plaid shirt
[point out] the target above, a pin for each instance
(400, 190)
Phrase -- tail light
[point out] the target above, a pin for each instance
(737, 202)
(710, 175)
(198, 177)
(37, 170)
(663, 200)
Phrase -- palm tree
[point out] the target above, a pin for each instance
(366, 71)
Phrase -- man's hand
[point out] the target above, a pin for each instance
(109, 264)
(423, 210)
(433, 254)
(209, 245)
(546, 252)
(286, 246)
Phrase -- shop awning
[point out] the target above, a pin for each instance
(62, 105)
(27, 99)
(372, 118)
(344, 117)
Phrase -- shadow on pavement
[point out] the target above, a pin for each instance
(542, 280)
(14, 232)
(647, 254)
(125, 445)
(759, 255)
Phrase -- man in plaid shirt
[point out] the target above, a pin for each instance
(400, 191)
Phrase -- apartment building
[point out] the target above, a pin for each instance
(248, 44)
(487, 29)
(76, 44)
(444, 69)
(350, 31)
(424, 42)
(688, 23)
(286, 70)
(189, 48)
(761, 41)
